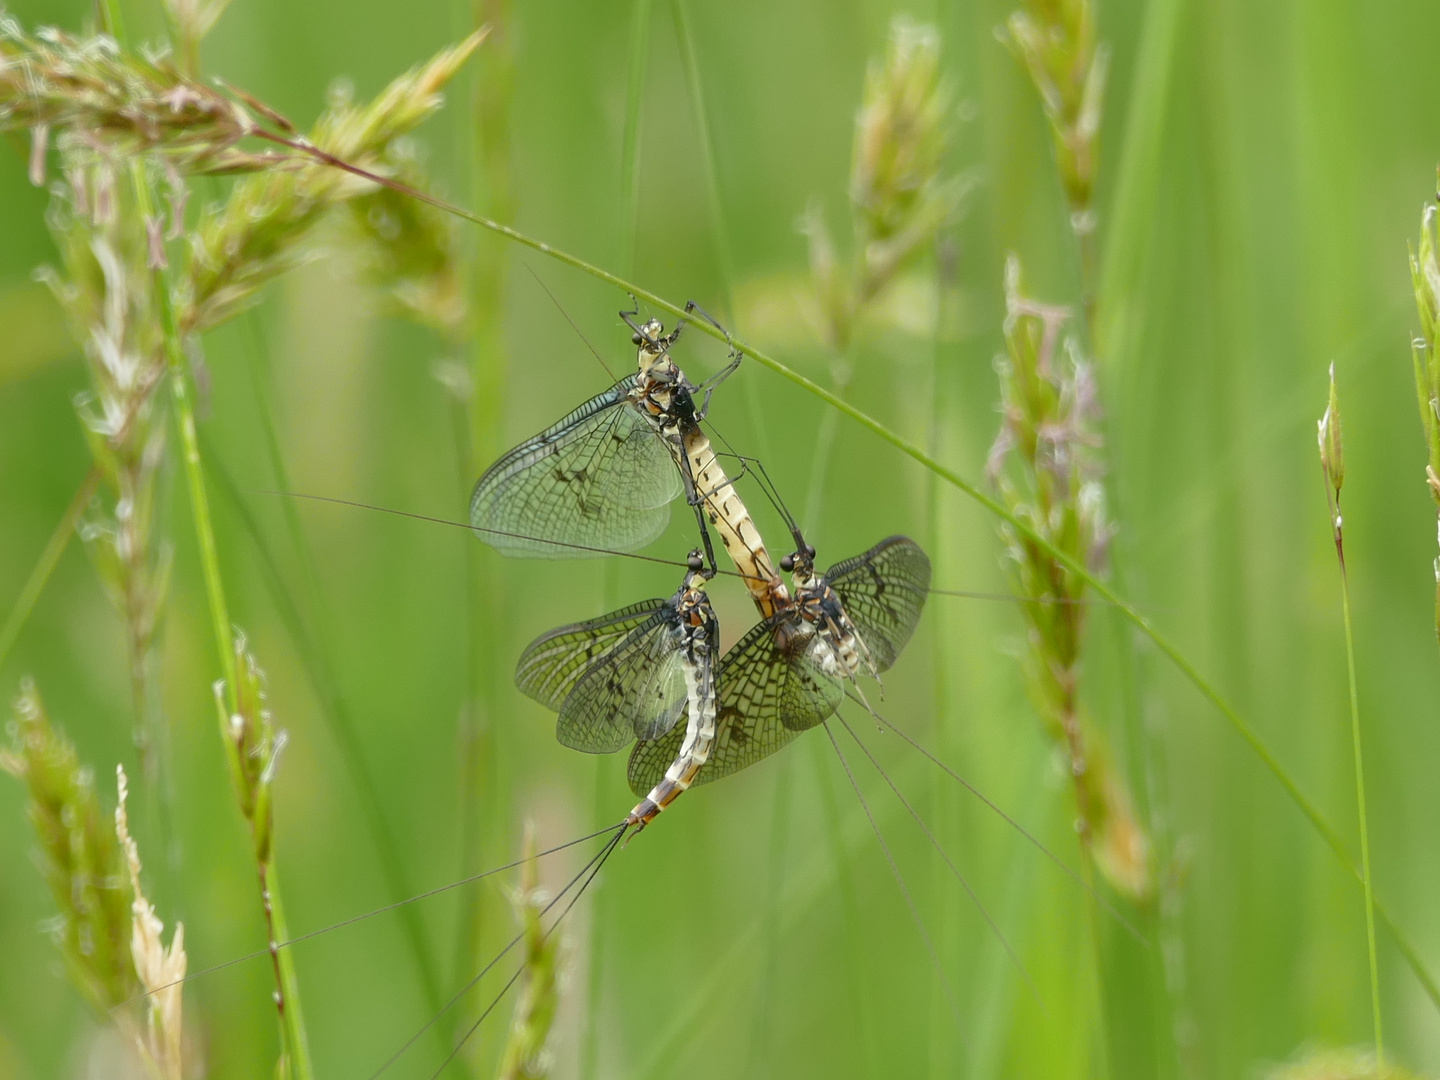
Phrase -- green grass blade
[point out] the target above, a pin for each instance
(45, 566)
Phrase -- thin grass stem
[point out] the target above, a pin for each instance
(1364, 826)
(45, 565)
(1332, 465)
(297, 1048)
(1188, 670)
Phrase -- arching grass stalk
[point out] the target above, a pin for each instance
(1188, 670)
(1332, 463)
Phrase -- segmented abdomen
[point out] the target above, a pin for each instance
(726, 511)
(694, 751)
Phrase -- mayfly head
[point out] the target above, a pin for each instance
(801, 564)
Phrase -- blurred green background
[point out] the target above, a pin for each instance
(1264, 168)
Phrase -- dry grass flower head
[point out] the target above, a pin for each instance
(160, 969)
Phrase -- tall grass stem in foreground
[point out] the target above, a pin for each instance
(1332, 464)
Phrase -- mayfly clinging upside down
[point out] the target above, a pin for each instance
(599, 476)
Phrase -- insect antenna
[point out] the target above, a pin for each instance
(560, 307)
(592, 867)
(899, 879)
(954, 870)
(1068, 870)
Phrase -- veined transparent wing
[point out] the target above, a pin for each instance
(768, 695)
(552, 664)
(599, 478)
(616, 678)
(883, 592)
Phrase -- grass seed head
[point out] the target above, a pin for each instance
(1044, 463)
(413, 250)
(112, 102)
(1055, 41)
(80, 856)
(159, 969)
(900, 197)
(256, 234)
(253, 745)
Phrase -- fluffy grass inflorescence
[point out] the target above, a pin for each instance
(255, 235)
(1425, 273)
(106, 286)
(80, 856)
(115, 102)
(105, 928)
(1044, 463)
(900, 196)
(1057, 43)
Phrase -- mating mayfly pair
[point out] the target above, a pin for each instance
(603, 477)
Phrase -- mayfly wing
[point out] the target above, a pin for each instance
(612, 679)
(597, 478)
(552, 664)
(769, 693)
(883, 592)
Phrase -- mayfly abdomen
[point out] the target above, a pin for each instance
(694, 751)
(730, 518)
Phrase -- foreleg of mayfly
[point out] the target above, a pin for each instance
(709, 385)
(899, 878)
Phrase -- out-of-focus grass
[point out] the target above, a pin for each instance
(1264, 167)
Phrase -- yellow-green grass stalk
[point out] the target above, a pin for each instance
(1332, 464)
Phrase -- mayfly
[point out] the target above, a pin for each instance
(604, 475)
(788, 673)
(630, 675)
